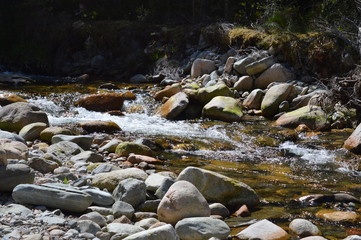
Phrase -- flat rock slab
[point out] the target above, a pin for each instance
(50, 196)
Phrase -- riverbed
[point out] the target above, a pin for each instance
(281, 164)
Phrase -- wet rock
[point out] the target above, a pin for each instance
(100, 126)
(259, 66)
(244, 83)
(338, 216)
(102, 102)
(274, 96)
(216, 187)
(123, 229)
(15, 116)
(199, 228)
(42, 165)
(87, 226)
(9, 98)
(265, 230)
(174, 106)
(304, 228)
(254, 99)
(240, 65)
(12, 150)
(168, 91)
(48, 133)
(206, 94)
(110, 180)
(202, 66)
(32, 131)
(165, 232)
(130, 190)
(312, 116)
(13, 175)
(52, 196)
(126, 148)
(181, 201)
(353, 142)
(224, 109)
(219, 209)
(100, 198)
(11, 136)
(83, 141)
(64, 150)
(87, 156)
(276, 73)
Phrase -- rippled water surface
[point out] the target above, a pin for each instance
(280, 164)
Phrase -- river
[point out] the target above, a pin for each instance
(280, 164)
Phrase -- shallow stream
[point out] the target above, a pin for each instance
(280, 164)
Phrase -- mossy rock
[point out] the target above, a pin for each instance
(224, 109)
(206, 94)
(49, 132)
(126, 148)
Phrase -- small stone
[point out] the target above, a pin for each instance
(243, 212)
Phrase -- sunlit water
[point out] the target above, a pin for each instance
(279, 172)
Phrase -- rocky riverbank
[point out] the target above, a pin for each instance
(71, 182)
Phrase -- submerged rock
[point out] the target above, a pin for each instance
(15, 116)
(216, 187)
(224, 109)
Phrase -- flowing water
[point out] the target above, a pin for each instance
(280, 164)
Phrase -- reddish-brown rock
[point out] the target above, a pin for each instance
(103, 102)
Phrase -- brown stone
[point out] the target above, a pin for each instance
(168, 91)
(136, 159)
(353, 142)
(100, 126)
(338, 216)
(243, 212)
(102, 102)
(8, 98)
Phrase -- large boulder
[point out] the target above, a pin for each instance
(15, 116)
(165, 232)
(274, 96)
(126, 148)
(276, 73)
(32, 131)
(132, 191)
(199, 228)
(254, 99)
(224, 109)
(13, 175)
(182, 200)
(168, 91)
(264, 230)
(102, 102)
(353, 142)
(202, 66)
(52, 196)
(110, 180)
(175, 105)
(312, 116)
(206, 94)
(216, 187)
